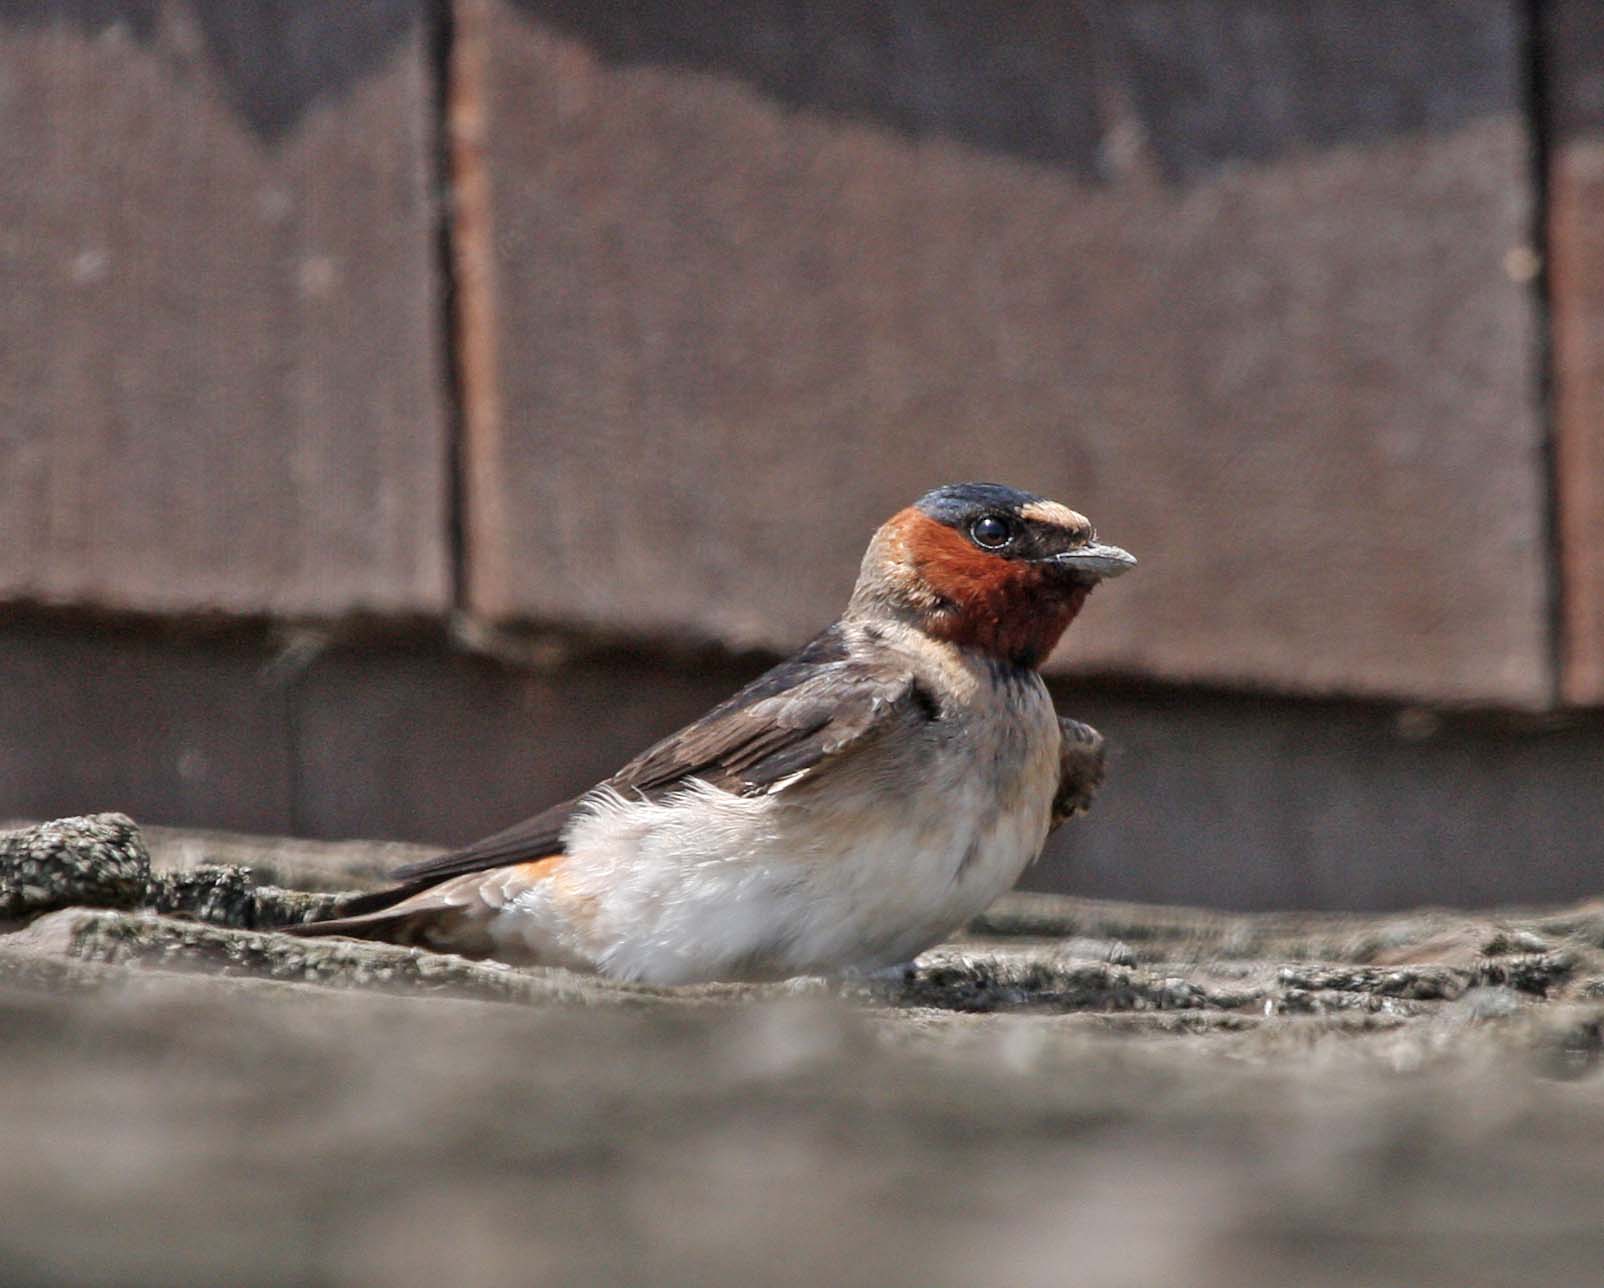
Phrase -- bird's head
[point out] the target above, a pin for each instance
(986, 567)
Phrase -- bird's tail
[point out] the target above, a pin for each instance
(380, 915)
(453, 915)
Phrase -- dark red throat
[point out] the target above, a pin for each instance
(1010, 609)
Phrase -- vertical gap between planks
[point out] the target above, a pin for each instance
(441, 37)
(467, 265)
(1537, 111)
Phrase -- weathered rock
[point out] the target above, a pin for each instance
(1138, 1095)
(98, 861)
(229, 896)
(1028, 952)
(375, 1138)
(964, 979)
(292, 862)
(167, 943)
(1535, 973)
(102, 861)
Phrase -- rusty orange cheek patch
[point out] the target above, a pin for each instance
(954, 568)
(1005, 607)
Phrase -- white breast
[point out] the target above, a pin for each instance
(853, 871)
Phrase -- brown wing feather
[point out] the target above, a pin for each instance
(789, 720)
(528, 839)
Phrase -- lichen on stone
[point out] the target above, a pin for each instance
(96, 861)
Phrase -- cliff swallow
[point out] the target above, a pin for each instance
(844, 811)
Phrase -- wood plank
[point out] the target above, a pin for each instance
(1227, 275)
(217, 305)
(406, 743)
(1574, 49)
(189, 731)
(1224, 801)
(1266, 803)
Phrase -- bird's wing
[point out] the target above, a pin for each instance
(532, 838)
(786, 725)
(1080, 769)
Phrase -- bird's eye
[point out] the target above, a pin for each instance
(992, 531)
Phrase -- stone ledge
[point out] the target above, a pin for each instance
(1145, 1095)
(92, 895)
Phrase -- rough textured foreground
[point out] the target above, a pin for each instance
(1076, 1093)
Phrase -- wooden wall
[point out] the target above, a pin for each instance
(222, 384)
(1234, 278)
(1574, 134)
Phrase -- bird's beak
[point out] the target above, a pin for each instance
(1099, 560)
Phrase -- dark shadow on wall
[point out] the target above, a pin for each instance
(1191, 84)
(1194, 83)
(1215, 799)
(273, 59)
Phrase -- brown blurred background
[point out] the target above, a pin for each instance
(410, 408)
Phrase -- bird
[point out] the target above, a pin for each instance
(843, 812)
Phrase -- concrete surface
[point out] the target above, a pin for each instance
(1077, 1092)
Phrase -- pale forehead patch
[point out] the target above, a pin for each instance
(1051, 512)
